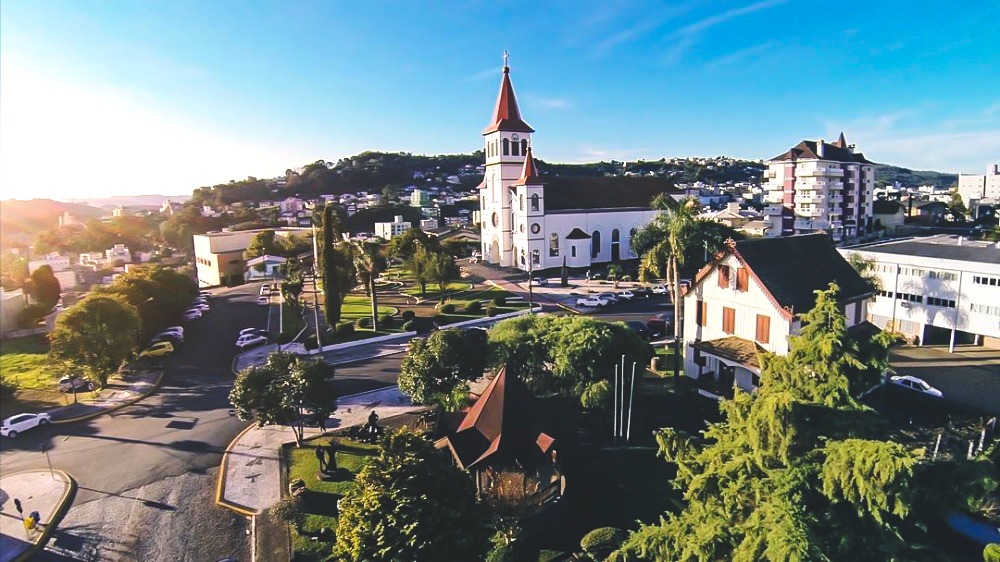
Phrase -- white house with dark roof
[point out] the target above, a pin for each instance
(750, 298)
(552, 220)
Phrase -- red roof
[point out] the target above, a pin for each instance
(529, 173)
(506, 116)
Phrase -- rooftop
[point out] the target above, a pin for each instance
(942, 246)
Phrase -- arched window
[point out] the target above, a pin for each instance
(553, 245)
(615, 236)
(524, 146)
(506, 147)
(520, 202)
(516, 149)
(631, 237)
(534, 202)
(595, 244)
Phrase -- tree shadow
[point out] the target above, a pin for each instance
(320, 503)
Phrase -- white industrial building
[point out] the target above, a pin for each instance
(939, 289)
(389, 230)
(218, 256)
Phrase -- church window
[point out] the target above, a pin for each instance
(572, 251)
(553, 245)
(615, 236)
(595, 244)
(506, 147)
(520, 201)
(515, 149)
(535, 228)
(522, 227)
(496, 219)
(534, 202)
(524, 146)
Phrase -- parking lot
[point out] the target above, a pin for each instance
(969, 378)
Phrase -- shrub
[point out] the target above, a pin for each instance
(474, 307)
(440, 319)
(500, 301)
(385, 320)
(491, 311)
(311, 343)
(289, 510)
(344, 329)
(408, 315)
(992, 552)
(285, 337)
(448, 308)
(627, 278)
(31, 314)
(602, 541)
(363, 323)
(409, 326)
(7, 390)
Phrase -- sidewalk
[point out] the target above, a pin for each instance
(48, 493)
(250, 474)
(115, 396)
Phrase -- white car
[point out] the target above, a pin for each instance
(610, 297)
(539, 281)
(192, 314)
(250, 339)
(265, 290)
(255, 331)
(595, 302)
(13, 425)
(202, 306)
(263, 301)
(627, 294)
(170, 333)
(658, 289)
(919, 385)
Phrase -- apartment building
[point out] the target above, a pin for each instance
(938, 289)
(980, 189)
(389, 230)
(820, 186)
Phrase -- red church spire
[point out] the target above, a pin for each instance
(506, 116)
(529, 173)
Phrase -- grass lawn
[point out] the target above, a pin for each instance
(360, 306)
(24, 361)
(320, 499)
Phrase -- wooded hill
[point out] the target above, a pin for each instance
(21, 221)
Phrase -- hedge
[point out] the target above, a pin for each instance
(344, 328)
(363, 323)
(474, 307)
(385, 320)
(408, 315)
(448, 308)
(491, 311)
(409, 326)
(500, 301)
(603, 540)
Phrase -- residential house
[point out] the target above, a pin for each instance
(932, 213)
(890, 215)
(118, 252)
(53, 260)
(750, 299)
(264, 267)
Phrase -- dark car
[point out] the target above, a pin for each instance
(172, 337)
(642, 292)
(661, 324)
(640, 329)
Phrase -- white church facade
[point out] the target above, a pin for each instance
(531, 222)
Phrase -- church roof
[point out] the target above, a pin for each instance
(506, 116)
(529, 173)
(588, 193)
(502, 422)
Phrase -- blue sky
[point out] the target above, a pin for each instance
(125, 97)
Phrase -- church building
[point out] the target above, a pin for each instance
(553, 220)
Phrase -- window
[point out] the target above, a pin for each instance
(728, 320)
(553, 245)
(982, 280)
(595, 244)
(506, 147)
(615, 236)
(534, 202)
(700, 313)
(520, 202)
(985, 309)
(524, 147)
(515, 149)
(742, 279)
(763, 329)
(946, 303)
(942, 275)
(724, 276)
(572, 251)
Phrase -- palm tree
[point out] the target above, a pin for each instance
(442, 270)
(369, 262)
(662, 244)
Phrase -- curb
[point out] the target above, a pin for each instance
(139, 398)
(220, 488)
(57, 515)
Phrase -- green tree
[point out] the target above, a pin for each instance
(957, 208)
(867, 267)
(434, 367)
(45, 287)
(159, 294)
(615, 273)
(96, 335)
(799, 470)
(336, 267)
(442, 269)
(263, 244)
(411, 503)
(403, 246)
(369, 263)
(282, 389)
(418, 264)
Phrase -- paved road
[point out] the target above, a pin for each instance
(147, 473)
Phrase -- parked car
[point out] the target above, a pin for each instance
(661, 324)
(172, 337)
(640, 329)
(205, 294)
(627, 294)
(179, 329)
(263, 301)
(610, 297)
(265, 290)
(658, 289)
(916, 384)
(192, 314)
(539, 281)
(170, 332)
(13, 425)
(202, 306)
(642, 292)
(254, 331)
(68, 384)
(250, 339)
(593, 301)
(160, 349)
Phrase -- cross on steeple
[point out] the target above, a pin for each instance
(506, 58)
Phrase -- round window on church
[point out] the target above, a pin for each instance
(496, 219)
(536, 228)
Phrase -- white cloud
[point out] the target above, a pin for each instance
(65, 139)
(740, 56)
(689, 35)
(550, 103)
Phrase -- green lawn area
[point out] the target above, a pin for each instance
(24, 361)
(360, 306)
(320, 499)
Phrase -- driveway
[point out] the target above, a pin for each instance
(969, 377)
